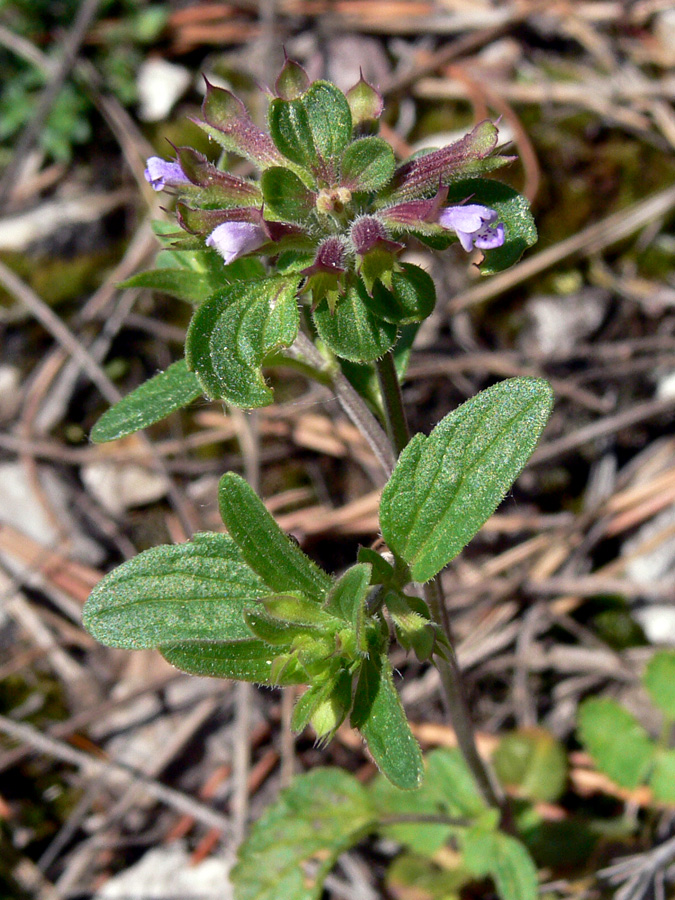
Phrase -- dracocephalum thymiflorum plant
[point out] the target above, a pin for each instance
(302, 266)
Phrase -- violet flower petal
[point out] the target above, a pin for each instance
(235, 239)
(160, 173)
(489, 238)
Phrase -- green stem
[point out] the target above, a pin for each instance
(445, 659)
(395, 419)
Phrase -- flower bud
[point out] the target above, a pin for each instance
(292, 82)
(235, 239)
(366, 105)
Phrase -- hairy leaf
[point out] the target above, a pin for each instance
(286, 196)
(411, 299)
(619, 745)
(149, 403)
(445, 486)
(197, 591)
(268, 551)
(367, 164)
(295, 843)
(379, 716)
(185, 284)
(353, 332)
(234, 330)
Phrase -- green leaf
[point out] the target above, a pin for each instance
(379, 716)
(248, 660)
(268, 551)
(234, 330)
(504, 859)
(619, 745)
(662, 777)
(286, 196)
(314, 129)
(445, 486)
(532, 760)
(514, 212)
(448, 789)
(197, 591)
(185, 284)
(149, 403)
(420, 878)
(411, 299)
(353, 332)
(297, 840)
(659, 680)
(367, 164)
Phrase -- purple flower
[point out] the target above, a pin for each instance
(235, 239)
(473, 225)
(159, 173)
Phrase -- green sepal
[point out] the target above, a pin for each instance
(196, 591)
(378, 714)
(226, 120)
(278, 561)
(234, 330)
(272, 631)
(313, 129)
(378, 264)
(248, 660)
(411, 297)
(367, 164)
(292, 81)
(445, 486)
(286, 196)
(294, 608)
(149, 403)
(353, 332)
(381, 571)
(347, 600)
(414, 628)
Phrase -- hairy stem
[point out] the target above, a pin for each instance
(445, 658)
(396, 422)
(351, 401)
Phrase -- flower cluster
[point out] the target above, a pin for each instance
(330, 194)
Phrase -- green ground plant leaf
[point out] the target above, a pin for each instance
(662, 776)
(353, 332)
(659, 680)
(619, 745)
(534, 762)
(234, 330)
(379, 716)
(445, 486)
(347, 598)
(149, 403)
(268, 551)
(448, 789)
(297, 840)
(247, 660)
(505, 860)
(367, 164)
(196, 591)
(513, 210)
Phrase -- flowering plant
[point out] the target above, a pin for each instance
(324, 229)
